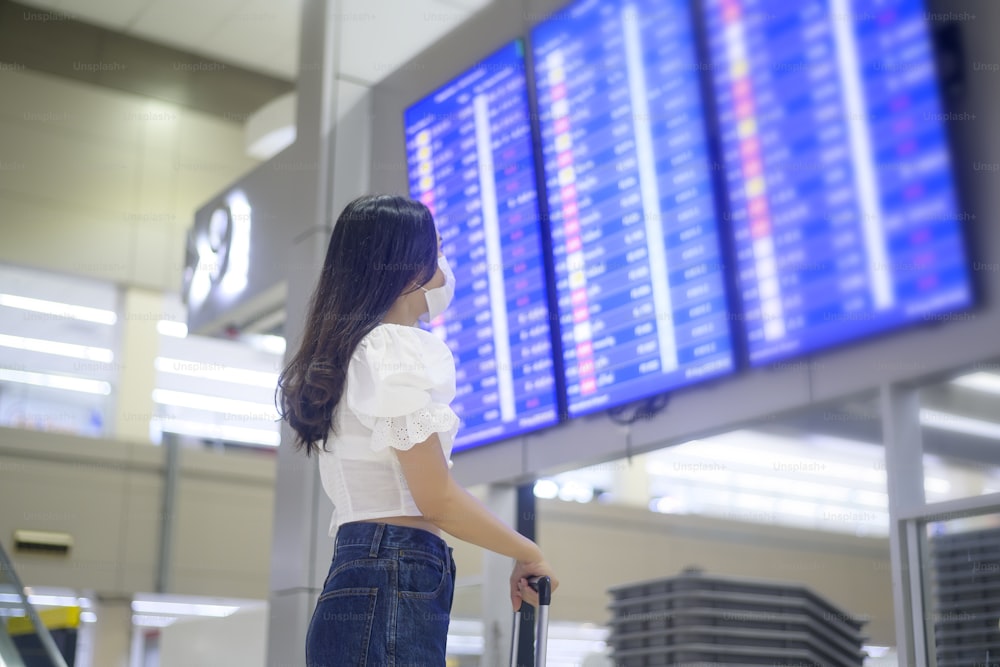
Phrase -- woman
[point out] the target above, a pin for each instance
(369, 392)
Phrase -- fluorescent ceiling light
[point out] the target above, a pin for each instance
(271, 129)
(245, 434)
(666, 505)
(216, 372)
(546, 488)
(272, 143)
(267, 343)
(773, 460)
(986, 382)
(797, 508)
(58, 601)
(231, 406)
(101, 354)
(96, 315)
(936, 485)
(183, 608)
(947, 421)
(148, 621)
(171, 328)
(872, 498)
(67, 382)
(577, 491)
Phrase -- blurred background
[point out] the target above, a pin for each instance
(147, 512)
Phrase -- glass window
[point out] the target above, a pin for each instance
(59, 353)
(213, 390)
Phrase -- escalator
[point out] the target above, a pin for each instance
(24, 639)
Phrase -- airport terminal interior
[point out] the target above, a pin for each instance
(726, 325)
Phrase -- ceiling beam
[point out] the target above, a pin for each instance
(853, 425)
(48, 42)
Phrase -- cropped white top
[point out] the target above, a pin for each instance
(400, 382)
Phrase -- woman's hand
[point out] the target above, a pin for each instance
(519, 588)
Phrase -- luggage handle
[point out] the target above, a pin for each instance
(544, 587)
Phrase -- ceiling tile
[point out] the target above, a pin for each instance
(185, 24)
(471, 5)
(115, 14)
(48, 5)
(284, 60)
(377, 35)
(380, 35)
(250, 35)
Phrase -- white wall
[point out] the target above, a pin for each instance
(100, 183)
(107, 495)
(216, 642)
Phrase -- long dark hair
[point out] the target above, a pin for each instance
(381, 245)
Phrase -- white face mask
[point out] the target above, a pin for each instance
(439, 298)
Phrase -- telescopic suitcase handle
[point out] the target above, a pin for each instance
(544, 587)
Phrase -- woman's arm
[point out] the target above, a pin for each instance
(446, 504)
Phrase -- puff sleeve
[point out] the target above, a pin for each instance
(400, 383)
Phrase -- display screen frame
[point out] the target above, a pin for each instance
(860, 336)
(516, 44)
(648, 402)
(711, 124)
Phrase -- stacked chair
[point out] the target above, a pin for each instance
(967, 598)
(694, 619)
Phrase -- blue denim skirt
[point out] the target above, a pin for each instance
(386, 601)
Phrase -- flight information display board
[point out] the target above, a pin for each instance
(471, 161)
(839, 177)
(639, 277)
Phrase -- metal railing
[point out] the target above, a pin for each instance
(34, 648)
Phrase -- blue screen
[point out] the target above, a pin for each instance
(470, 157)
(641, 296)
(840, 191)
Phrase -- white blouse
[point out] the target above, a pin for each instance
(400, 382)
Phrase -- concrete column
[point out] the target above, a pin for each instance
(904, 469)
(140, 343)
(496, 611)
(332, 148)
(112, 632)
(631, 481)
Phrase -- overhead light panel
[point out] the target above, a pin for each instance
(84, 313)
(242, 434)
(985, 382)
(171, 328)
(100, 354)
(65, 382)
(234, 407)
(546, 488)
(150, 621)
(217, 372)
(156, 607)
(947, 421)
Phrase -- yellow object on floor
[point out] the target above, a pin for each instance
(53, 619)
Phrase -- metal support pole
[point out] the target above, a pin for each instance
(171, 465)
(904, 468)
(526, 526)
